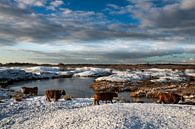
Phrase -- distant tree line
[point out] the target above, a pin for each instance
(115, 66)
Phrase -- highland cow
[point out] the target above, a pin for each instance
(29, 90)
(54, 94)
(104, 97)
(170, 98)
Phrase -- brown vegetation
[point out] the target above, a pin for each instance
(107, 86)
(138, 94)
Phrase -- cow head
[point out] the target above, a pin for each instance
(36, 88)
(63, 92)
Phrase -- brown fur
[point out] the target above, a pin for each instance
(104, 97)
(29, 90)
(54, 94)
(169, 98)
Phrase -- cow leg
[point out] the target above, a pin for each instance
(48, 99)
(55, 99)
(94, 102)
(98, 102)
(176, 102)
(163, 102)
(35, 93)
(111, 101)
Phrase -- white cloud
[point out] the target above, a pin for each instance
(187, 4)
(114, 6)
(66, 11)
(56, 3)
(25, 3)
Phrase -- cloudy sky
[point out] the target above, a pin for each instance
(97, 31)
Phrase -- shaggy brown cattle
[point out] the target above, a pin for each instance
(54, 94)
(29, 90)
(104, 97)
(169, 98)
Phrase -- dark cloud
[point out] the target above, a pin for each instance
(175, 18)
(138, 54)
(88, 56)
(168, 18)
(21, 25)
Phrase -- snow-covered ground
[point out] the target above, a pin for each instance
(39, 69)
(92, 72)
(36, 113)
(39, 72)
(16, 74)
(190, 72)
(162, 75)
(124, 76)
(4, 93)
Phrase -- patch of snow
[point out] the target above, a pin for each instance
(169, 76)
(190, 72)
(27, 73)
(67, 73)
(124, 76)
(40, 69)
(158, 70)
(92, 72)
(169, 79)
(15, 74)
(163, 75)
(4, 93)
